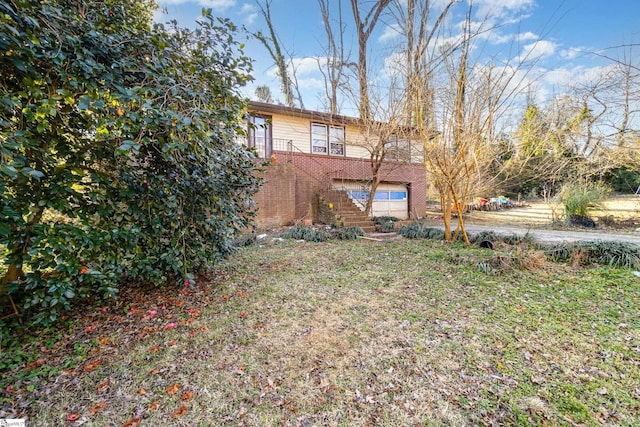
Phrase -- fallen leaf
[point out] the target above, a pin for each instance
(103, 385)
(225, 297)
(92, 366)
(83, 270)
(98, 407)
(154, 371)
(73, 417)
(242, 315)
(90, 328)
(171, 325)
(142, 391)
(154, 405)
(35, 364)
(154, 349)
(180, 412)
(133, 422)
(173, 389)
(186, 396)
(103, 341)
(173, 342)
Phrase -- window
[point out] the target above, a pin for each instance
(326, 139)
(259, 135)
(398, 148)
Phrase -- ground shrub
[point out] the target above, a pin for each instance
(618, 254)
(348, 233)
(306, 233)
(379, 220)
(509, 239)
(418, 230)
(386, 227)
(579, 198)
(244, 239)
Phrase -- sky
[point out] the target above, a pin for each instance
(561, 35)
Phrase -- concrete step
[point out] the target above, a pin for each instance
(354, 215)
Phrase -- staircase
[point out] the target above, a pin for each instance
(346, 211)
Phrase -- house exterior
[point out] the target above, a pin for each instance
(319, 168)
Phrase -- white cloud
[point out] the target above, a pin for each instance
(538, 50)
(558, 77)
(390, 32)
(395, 65)
(306, 66)
(527, 36)
(213, 4)
(571, 53)
(487, 9)
(249, 13)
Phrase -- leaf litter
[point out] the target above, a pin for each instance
(355, 333)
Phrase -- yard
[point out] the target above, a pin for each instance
(346, 333)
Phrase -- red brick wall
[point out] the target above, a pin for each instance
(276, 200)
(295, 178)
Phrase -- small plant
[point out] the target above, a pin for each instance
(484, 236)
(485, 267)
(379, 220)
(245, 239)
(509, 239)
(306, 233)
(418, 230)
(349, 233)
(386, 227)
(619, 254)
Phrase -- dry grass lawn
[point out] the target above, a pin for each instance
(354, 333)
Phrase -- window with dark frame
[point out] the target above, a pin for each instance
(398, 148)
(259, 135)
(327, 139)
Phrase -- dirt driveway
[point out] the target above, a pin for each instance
(542, 235)
(536, 219)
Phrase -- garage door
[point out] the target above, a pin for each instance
(391, 200)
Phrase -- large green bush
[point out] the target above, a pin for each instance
(117, 148)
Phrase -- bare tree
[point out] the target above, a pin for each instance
(390, 144)
(461, 146)
(364, 27)
(413, 18)
(272, 43)
(332, 66)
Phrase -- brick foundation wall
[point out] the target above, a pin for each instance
(292, 182)
(276, 199)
